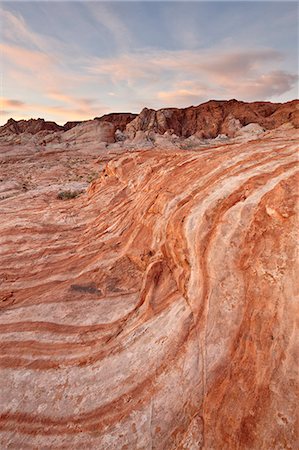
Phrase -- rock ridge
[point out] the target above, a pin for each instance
(207, 121)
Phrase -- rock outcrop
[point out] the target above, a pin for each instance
(31, 126)
(34, 126)
(90, 131)
(206, 121)
(155, 311)
(214, 117)
(69, 125)
(119, 120)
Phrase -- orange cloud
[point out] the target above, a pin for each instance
(9, 103)
(80, 110)
(180, 97)
(226, 73)
(26, 59)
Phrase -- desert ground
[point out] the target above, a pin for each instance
(148, 280)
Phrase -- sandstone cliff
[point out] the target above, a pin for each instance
(207, 120)
(214, 117)
(91, 131)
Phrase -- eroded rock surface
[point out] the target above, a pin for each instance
(157, 310)
(205, 121)
(214, 117)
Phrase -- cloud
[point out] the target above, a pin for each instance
(215, 61)
(238, 64)
(70, 113)
(185, 93)
(9, 103)
(79, 109)
(61, 78)
(14, 30)
(29, 60)
(71, 99)
(40, 76)
(108, 19)
(274, 83)
(195, 76)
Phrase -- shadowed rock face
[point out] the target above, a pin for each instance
(156, 310)
(215, 117)
(119, 120)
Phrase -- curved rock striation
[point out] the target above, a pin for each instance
(156, 310)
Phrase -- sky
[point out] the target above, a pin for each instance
(79, 60)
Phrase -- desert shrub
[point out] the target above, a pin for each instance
(93, 176)
(68, 195)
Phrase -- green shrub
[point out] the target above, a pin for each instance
(68, 195)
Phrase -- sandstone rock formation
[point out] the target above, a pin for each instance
(35, 126)
(90, 131)
(69, 125)
(206, 121)
(250, 130)
(31, 126)
(214, 117)
(119, 120)
(155, 311)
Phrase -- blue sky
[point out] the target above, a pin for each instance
(77, 60)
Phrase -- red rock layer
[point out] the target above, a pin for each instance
(215, 117)
(31, 126)
(207, 120)
(119, 120)
(69, 125)
(34, 126)
(157, 311)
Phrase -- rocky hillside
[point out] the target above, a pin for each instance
(214, 117)
(204, 121)
(32, 126)
(156, 309)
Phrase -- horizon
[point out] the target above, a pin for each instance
(130, 55)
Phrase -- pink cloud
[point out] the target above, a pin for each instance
(250, 74)
(9, 103)
(80, 109)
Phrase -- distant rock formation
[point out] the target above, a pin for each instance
(206, 121)
(90, 131)
(210, 119)
(32, 126)
(119, 120)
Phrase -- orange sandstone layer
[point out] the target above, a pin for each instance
(156, 311)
